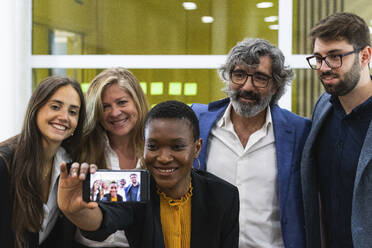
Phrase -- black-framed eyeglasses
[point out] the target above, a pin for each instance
(259, 80)
(334, 61)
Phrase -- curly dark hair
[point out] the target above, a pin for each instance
(342, 26)
(249, 52)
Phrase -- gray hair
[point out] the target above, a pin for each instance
(249, 52)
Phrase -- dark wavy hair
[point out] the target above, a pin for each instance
(249, 52)
(342, 26)
(26, 168)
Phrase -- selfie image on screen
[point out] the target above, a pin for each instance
(115, 186)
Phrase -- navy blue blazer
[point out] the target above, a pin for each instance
(290, 133)
(361, 213)
(127, 191)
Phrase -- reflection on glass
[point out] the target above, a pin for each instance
(147, 27)
(306, 90)
(307, 13)
(189, 86)
(175, 88)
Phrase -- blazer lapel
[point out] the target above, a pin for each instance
(199, 211)
(365, 156)
(207, 120)
(317, 122)
(284, 142)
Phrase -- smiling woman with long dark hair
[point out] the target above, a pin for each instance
(30, 161)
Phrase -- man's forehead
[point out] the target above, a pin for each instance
(327, 46)
(245, 66)
(264, 65)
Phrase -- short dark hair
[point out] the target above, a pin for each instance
(175, 110)
(342, 26)
(249, 52)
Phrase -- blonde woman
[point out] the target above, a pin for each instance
(113, 138)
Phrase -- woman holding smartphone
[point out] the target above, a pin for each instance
(30, 164)
(187, 208)
(113, 139)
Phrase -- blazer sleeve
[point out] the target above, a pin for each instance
(116, 216)
(230, 232)
(6, 234)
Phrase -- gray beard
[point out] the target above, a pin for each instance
(247, 109)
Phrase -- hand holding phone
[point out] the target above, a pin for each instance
(86, 216)
(120, 186)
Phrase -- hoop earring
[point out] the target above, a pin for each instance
(197, 159)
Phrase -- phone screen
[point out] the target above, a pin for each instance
(118, 186)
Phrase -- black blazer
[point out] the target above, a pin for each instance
(214, 216)
(63, 232)
(107, 198)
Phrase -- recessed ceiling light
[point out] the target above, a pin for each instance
(264, 5)
(274, 27)
(189, 5)
(207, 19)
(271, 19)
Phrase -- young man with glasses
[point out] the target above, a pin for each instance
(251, 142)
(336, 168)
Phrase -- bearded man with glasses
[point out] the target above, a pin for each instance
(336, 168)
(252, 143)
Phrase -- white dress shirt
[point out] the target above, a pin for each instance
(253, 169)
(51, 207)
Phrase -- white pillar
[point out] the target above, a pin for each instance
(285, 43)
(15, 51)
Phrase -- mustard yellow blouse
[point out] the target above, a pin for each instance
(175, 217)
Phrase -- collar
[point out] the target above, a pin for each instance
(362, 111)
(176, 202)
(225, 120)
(60, 156)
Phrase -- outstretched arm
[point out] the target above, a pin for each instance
(86, 216)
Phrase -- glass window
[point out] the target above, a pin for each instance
(148, 27)
(307, 13)
(188, 86)
(306, 89)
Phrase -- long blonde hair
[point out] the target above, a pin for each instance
(94, 134)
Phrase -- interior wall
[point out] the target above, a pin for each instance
(306, 14)
(153, 27)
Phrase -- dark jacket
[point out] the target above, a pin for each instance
(107, 198)
(63, 232)
(361, 215)
(214, 216)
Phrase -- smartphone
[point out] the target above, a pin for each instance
(117, 186)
